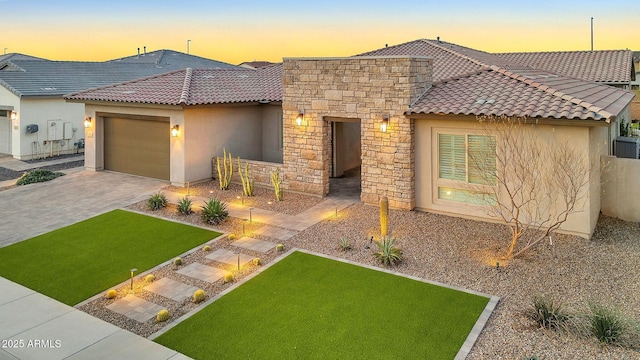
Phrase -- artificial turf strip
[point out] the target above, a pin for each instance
(310, 307)
(73, 263)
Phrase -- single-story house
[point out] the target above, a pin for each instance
(35, 121)
(385, 113)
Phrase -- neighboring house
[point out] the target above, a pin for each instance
(388, 113)
(32, 90)
(255, 64)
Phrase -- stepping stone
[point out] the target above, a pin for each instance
(254, 244)
(203, 272)
(174, 290)
(135, 308)
(276, 232)
(229, 257)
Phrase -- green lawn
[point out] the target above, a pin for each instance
(78, 261)
(310, 307)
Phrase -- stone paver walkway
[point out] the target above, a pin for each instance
(135, 308)
(203, 272)
(229, 257)
(276, 232)
(171, 289)
(254, 244)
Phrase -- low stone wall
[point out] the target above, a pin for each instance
(259, 171)
(621, 188)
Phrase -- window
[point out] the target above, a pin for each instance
(466, 168)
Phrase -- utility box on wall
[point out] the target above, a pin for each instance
(31, 129)
(67, 131)
(54, 130)
(627, 147)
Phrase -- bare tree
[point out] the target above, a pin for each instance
(530, 181)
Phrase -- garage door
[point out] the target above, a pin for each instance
(137, 146)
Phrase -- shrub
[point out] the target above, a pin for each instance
(229, 278)
(111, 294)
(607, 325)
(37, 175)
(199, 296)
(280, 248)
(214, 212)
(547, 314)
(163, 315)
(150, 278)
(206, 248)
(184, 206)
(157, 201)
(232, 237)
(344, 244)
(177, 261)
(388, 254)
(256, 261)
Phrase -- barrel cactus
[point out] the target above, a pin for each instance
(163, 315)
(150, 278)
(111, 294)
(280, 248)
(199, 296)
(206, 248)
(229, 278)
(256, 261)
(232, 237)
(177, 261)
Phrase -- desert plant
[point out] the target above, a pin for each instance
(214, 212)
(546, 313)
(157, 201)
(206, 248)
(280, 248)
(344, 244)
(384, 216)
(276, 180)
(256, 261)
(224, 177)
(111, 294)
(177, 261)
(232, 237)
(607, 324)
(247, 183)
(199, 296)
(150, 278)
(163, 315)
(229, 278)
(387, 253)
(184, 206)
(37, 175)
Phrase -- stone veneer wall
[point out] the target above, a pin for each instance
(366, 88)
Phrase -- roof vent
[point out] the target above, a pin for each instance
(48, 88)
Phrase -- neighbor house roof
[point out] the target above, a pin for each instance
(605, 66)
(472, 82)
(255, 64)
(194, 87)
(173, 60)
(18, 56)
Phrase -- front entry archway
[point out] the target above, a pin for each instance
(346, 157)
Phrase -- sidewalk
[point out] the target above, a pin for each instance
(37, 327)
(19, 165)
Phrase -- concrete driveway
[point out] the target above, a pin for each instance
(30, 210)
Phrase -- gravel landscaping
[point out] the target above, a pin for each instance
(458, 252)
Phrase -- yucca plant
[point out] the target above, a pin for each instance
(344, 244)
(607, 325)
(214, 212)
(157, 201)
(387, 253)
(184, 206)
(547, 314)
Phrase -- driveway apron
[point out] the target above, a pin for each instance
(30, 210)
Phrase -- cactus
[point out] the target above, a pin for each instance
(177, 261)
(206, 248)
(384, 216)
(163, 315)
(111, 294)
(280, 248)
(229, 278)
(232, 237)
(247, 183)
(256, 261)
(199, 296)
(225, 177)
(276, 180)
(150, 278)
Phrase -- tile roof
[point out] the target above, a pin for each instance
(606, 66)
(173, 60)
(255, 64)
(194, 87)
(18, 56)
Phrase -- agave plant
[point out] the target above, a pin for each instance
(214, 212)
(184, 206)
(157, 201)
(387, 253)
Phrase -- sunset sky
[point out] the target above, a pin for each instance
(237, 31)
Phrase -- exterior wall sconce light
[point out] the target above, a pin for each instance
(87, 121)
(299, 118)
(384, 124)
(175, 130)
(14, 115)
